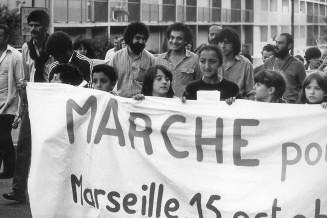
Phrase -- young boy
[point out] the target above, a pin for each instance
(104, 77)
(68, 74)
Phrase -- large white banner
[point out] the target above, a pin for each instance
(98, 155)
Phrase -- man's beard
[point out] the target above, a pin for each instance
(281, 53)
(137, 48)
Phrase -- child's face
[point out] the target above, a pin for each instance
(209, 63)
(314, 93)
(161, 84)
(56, 78)
(82, 50)
(261, 92)
(101, 82)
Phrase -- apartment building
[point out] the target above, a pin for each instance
(257, 21)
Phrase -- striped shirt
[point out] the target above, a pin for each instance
(84, 64)
(131, 71)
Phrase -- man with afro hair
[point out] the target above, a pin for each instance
(60, 46)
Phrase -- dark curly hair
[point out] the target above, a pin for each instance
(149, 77)
(312, 52)
(107, 70)
(231, 35)
(188, 37)
(69, 74)
(39, 16)
(135, 28)
(58, 43)
(87, 43)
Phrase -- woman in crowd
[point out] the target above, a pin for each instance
(104, 77)
(269, 86)
(314, 89)
(210, 59)
(84, 46)
(157, 82)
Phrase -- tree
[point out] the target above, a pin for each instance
(11, 18)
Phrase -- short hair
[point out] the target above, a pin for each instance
(312, 52)
(231, 35)
(69, 74)
(188, 36)
(107, 70)
(58, 43)
(135, 28)
(269, 48)
(87, 43)
(214, 48)
(274, 79)
(39, 16)
(321, 79)
(149, 77)
(217, 25)
(5, 29)
(289, 38)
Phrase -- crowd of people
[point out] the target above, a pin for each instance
(130, 71)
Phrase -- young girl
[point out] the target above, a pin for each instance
(210, 59)
(269, 86)
(157, 82)
(314, 89)
(104, 77)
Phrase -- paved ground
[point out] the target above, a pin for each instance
(11, 209)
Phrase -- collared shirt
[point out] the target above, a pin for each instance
(186, 71)
(110, 54)
(294, 74)
(28, 64)
(10, 74)
(240, 72)
(130, 71)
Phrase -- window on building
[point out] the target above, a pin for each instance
(285, 5)
(296, 32)
(322, 10)
(264, 5)
(249, 5)
(302, 32)
(263, 33)
(296, 6)
(216, 3)
(273, 5)
(285, 29)
(302, 7)
(236, 4)
(273, 32)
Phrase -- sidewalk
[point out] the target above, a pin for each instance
(12, 209)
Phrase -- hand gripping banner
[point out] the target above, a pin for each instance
(99, 155)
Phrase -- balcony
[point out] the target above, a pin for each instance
(206, 14)
(158, 12)
(237, 16)
(186, 13)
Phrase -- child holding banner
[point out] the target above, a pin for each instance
(269, 86)
(157, 82)
(104, 78)
(314, 89)
(67, 74)
(210, 59)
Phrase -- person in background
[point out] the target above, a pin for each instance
(117, 46)
(59, 45)
(36, 66)
(131, 62)
(312, 57)
(104, 78)
(235, 67)
(189, 46)
(314, 89)
(123, 44)
(181, 62)
(269, 86)
(10, 73)
(213, 33)
(292, 68)
(210, 60)
(157, 82)
(67, 74)
(267, 51)
(84, 47)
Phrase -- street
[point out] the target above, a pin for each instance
(12, 209)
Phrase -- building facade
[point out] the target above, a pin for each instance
(257, 21)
